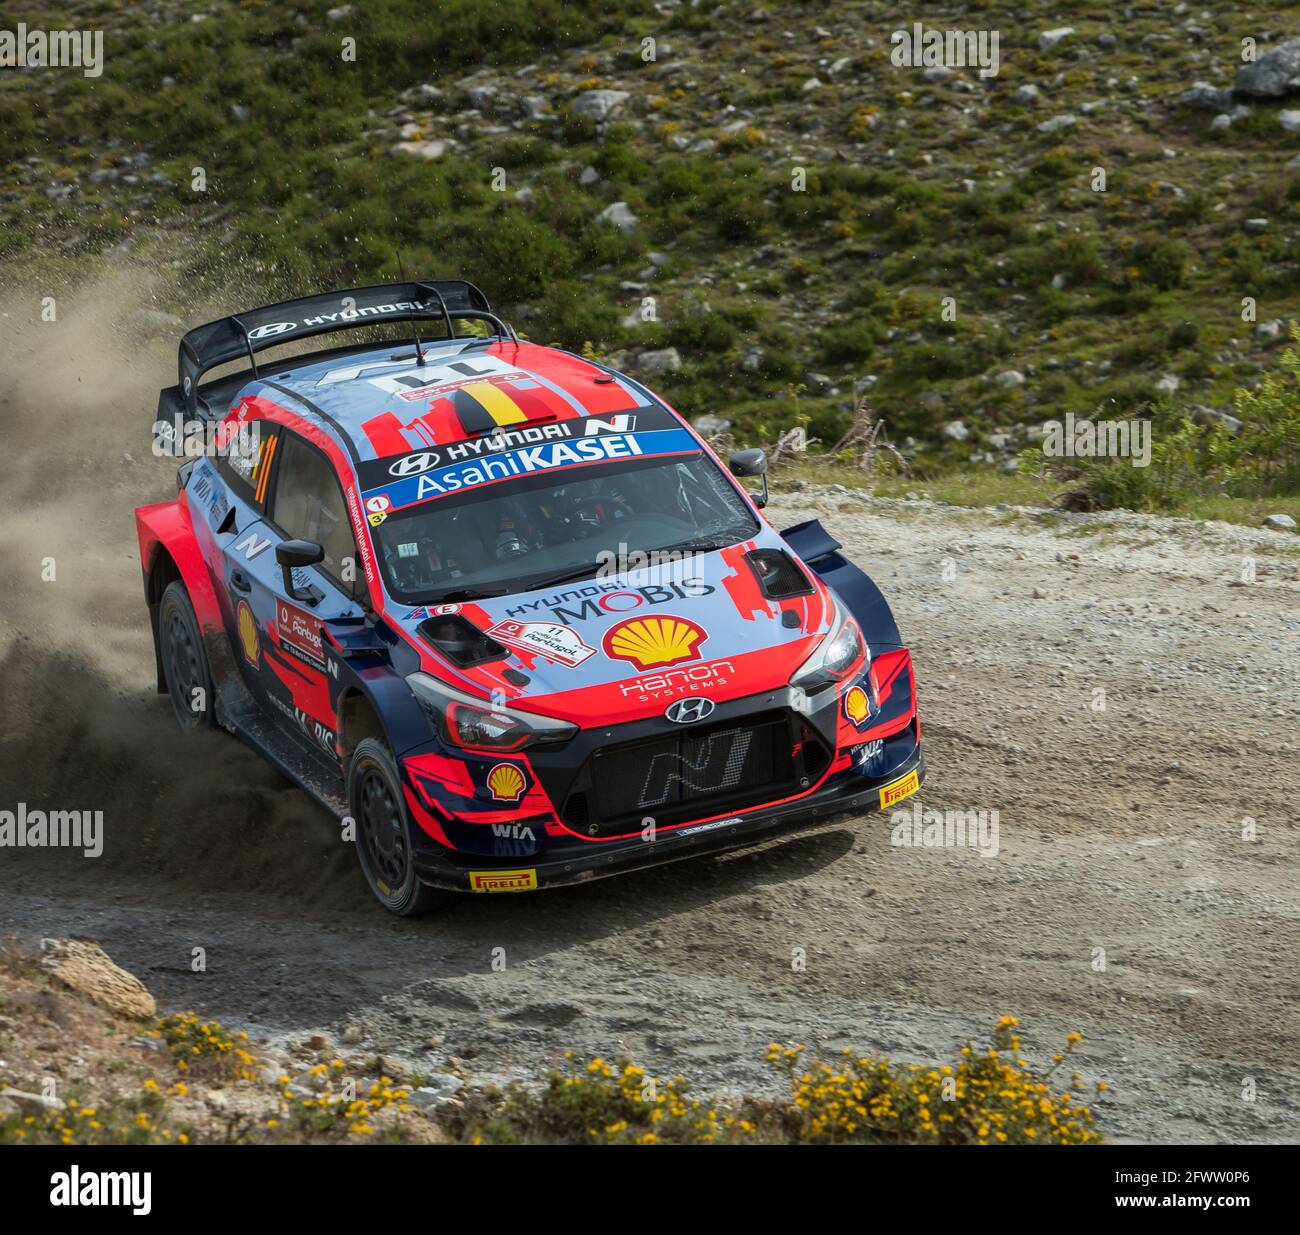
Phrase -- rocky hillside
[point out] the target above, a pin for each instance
(748, 203)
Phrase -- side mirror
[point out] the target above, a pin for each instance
(752, 462)
(291, 553)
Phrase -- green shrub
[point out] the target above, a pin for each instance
(988, 1096)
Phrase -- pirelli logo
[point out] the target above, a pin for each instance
(502, 881)
(900, 789)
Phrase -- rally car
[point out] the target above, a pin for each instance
(499, 607)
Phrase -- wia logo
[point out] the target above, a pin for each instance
(513, 831)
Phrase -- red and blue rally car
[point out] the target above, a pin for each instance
(500, 608)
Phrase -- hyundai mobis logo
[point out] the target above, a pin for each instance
(597, 601)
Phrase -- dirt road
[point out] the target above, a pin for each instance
(1123, 902)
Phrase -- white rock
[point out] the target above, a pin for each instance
(1280, 523)
(660, 361)
(1050, 38)
(1010, 378)
(955, 431)
(1289, 120)
(420, 150)
(600, 105)
(618, 215)
(1067, 121)
(441, 1088)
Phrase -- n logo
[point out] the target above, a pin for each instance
(251, 546)
(621, 423)
(668, 770)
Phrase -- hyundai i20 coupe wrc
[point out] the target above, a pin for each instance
(500, 609)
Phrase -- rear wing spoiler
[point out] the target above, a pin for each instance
(246, 334)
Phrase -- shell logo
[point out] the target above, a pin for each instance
(248, 639)
(856, 706)
(649, 642)
(506, 783)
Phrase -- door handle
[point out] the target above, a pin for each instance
(240, 581)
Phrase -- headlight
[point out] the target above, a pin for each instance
(474, 724)
(835, 655)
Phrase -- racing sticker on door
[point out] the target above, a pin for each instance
(299, 634)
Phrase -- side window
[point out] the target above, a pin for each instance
(308, 505)
(245, 459)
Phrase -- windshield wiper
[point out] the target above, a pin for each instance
(723, 540)
(467, 593)
(564, 576)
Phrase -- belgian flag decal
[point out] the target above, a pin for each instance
(482, 407)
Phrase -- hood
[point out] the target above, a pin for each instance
(625, 646)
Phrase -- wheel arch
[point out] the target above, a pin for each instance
(170, 552)
(358, 719)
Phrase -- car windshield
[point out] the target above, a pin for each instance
(517, 535)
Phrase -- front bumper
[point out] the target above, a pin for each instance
(579, 861)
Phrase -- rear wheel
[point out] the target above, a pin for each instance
(384, 830)
(184, 659)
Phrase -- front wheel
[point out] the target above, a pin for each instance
(384, 830)
(184, 660)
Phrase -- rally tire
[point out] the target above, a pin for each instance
(383, 831)
(185, 660)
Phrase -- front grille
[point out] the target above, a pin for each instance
(694, 773)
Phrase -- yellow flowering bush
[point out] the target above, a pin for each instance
(127, 1120)
(337, 1105)
(603, 1104)
(990, 1096)
(206, 1044)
